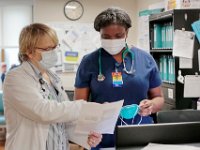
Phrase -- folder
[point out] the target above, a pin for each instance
(161, 67)
(165, 68)
(163, 36)
(173, 70)
(167, 36)
(169, 69)
(172, 35)
(157, 36)
(196, 29)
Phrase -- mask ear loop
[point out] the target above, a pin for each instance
(122, 121)
(135, 115)
(140, 120)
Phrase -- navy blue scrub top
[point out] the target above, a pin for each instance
(135, 86)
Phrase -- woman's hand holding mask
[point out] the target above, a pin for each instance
(146, 107)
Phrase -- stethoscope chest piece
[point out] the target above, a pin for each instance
(101, 77)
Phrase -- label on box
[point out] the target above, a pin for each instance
(181, 4)
(170, 94)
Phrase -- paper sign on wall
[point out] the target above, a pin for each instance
(192, 86)
(183, 44)
(185, 63)
(71, 57)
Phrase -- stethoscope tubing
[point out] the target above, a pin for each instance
(101, 77)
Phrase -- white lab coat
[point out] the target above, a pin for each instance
(28, 114)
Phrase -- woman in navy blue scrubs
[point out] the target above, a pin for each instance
(116, 71)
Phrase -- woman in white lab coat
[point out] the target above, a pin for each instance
(38, 114)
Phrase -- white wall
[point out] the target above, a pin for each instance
(142, 5)
(52, 10)
(14, 2)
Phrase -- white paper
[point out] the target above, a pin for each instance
(143, 37)
(80, 139)
(111, 148)
(71, 38)
(185, 63)
(157, 5)
(152, 146)
(171, 93)
(183, 44)
(100, 118)
(96, 117)
(192, 86)
(199, 58)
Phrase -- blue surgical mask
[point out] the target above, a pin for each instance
(129, 111)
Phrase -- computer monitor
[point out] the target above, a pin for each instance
(184, 115)
(167, 133)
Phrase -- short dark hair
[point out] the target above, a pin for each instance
(110, 16)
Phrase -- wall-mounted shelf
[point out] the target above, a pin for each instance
(167, 22)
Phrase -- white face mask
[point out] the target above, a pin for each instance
(49, 59)
(113, 46)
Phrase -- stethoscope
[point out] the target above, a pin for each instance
(101, 77)
(42, 82)
(38, 74)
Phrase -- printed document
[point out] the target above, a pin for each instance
(199, 58)
(192, 86)
(183, 44)
(185, 63)
(153, 146)
(95, 117)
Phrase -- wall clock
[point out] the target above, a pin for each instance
(73, 10)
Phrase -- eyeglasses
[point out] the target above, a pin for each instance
(49, 48)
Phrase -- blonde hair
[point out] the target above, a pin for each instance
(29, 37)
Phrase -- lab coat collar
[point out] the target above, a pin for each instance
(35, 73)
(29, 70)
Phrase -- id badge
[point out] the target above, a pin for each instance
(117, 79)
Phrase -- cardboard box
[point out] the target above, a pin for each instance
(2, 134)
(181, 4)
(75, 147)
